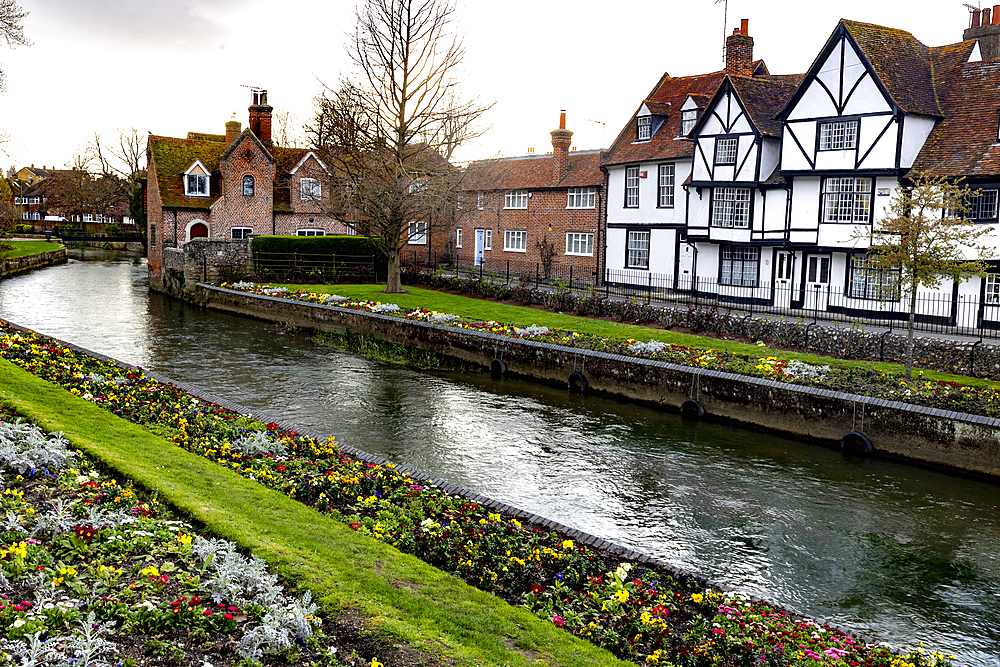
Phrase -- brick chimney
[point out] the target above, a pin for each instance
(233, 129)
(561, 140)
(260, 117)
(985, 27)
(739, 51)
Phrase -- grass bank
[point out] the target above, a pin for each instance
(404, 599)
(24, 248)
(481, 309)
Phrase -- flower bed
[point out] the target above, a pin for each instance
(865, 382)
(95, 572)
(638, 613)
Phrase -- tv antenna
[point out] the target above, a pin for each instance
(725, 28)
(602, 124)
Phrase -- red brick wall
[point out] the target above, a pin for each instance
(234, 209)
(545, 220)
(154, 218)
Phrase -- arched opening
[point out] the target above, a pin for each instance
(198, 230)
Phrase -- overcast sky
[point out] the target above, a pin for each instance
(173, 66)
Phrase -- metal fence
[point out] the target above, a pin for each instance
(314, 269)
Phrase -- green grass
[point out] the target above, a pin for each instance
(404, 598)
(23, 248)
(481, 309)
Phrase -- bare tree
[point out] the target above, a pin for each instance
(11, 17)
(131, 152)
(389, 131)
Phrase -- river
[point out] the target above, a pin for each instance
(897, 552)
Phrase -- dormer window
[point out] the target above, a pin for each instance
(197, 182)
(838, 136)
(688, 118)
(248, 186)
(196, 185)
(644, 127)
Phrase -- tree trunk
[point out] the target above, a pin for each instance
(909, 332)
(393, 282)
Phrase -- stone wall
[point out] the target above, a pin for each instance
(944, 439)
(15, 265)
(214, 260)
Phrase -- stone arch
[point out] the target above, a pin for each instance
(197, 229)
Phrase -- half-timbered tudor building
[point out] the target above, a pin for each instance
(768, 189)
(232, 186)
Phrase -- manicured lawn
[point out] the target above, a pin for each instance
(401, 596)
(524, 316)
(22, 248)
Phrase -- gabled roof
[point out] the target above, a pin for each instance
(535, 172)
(764, 97)
(232, 147)
(171, 157)
(665, 143)
(965, 142)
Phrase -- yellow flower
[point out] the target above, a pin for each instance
(567, 544)
(697, 598)
(622, 595)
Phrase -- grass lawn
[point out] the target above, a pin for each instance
(481, 309)
(404, 598)
(22, 248)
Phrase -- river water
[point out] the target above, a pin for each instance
(899, 553)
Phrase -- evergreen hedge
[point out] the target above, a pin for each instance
(315, 245)
(322, 259)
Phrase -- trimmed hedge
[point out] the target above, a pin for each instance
(317, 259)
(315, 245)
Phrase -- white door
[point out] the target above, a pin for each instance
(685, 268)
(817, 282)
(783, 272)
(480, 246)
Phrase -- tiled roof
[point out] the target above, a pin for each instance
(902, 63)
(664, 144)
(764, 97)
(172, 157)
(965, 142)
(535, 172)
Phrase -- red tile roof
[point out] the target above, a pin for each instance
(764, 97)
(535, 172)
(665, 144)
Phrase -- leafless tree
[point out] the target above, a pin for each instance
(11, 18)
(131, 151)
(390, 129)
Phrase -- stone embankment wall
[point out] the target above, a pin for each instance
(969, 443)
(10, 267)
(203, 260)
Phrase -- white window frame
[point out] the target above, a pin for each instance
(643, 128)
(479, 201)
(252, 182)
(515, 199)
(637, 249)
(204, 188)
(88, 217)
(458, 237)
(416, 232)
(746, 259)
(992, 294)
(239, 233)
(873, 284)
(580, 243)
(726, 149)
(632, 187)
(310, 189)
(688, 119)
(845, 200)
(731, 207)
(310, 232)
(666, 175)
(581, 198)
(840, 135)
(515, 240)
(487, 239)
(982, 208)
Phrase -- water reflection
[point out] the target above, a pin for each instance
(890, 550)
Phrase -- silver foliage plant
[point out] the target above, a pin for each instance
(235, 578)
(85, 647)
(257, 443)
(533, 330)
(647, 348)
(24, 448)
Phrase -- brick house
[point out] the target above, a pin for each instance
(232, 186)
(33, 188)
(534, 213)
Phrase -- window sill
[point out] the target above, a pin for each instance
(579, 254)
(515, 208)
(515, 250)
(580, 208)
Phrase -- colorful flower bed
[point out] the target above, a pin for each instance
(95, 572)
(637, 613)
(866, 382)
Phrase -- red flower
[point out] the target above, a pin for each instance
(536, 588)
(226, 616)
(207, 612)
(355, 526)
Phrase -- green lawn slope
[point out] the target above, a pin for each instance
(405, 599)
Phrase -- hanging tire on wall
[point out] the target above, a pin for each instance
(856, 442)
(577, 383)
(497, 369)
(692, 409)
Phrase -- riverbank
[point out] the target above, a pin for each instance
(28, 255)
(797, 405)
(647, 602)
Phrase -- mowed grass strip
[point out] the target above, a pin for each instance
(482, 309)
(23, 248)
(406, 599)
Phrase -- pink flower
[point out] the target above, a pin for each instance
(557, 619)
(207, 612)
(226, 616)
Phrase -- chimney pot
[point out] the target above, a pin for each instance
(744, 26)
(561, 141)
(739, 51)
(260, 117)
(986, 16)
(562, 119)
(976, 15)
